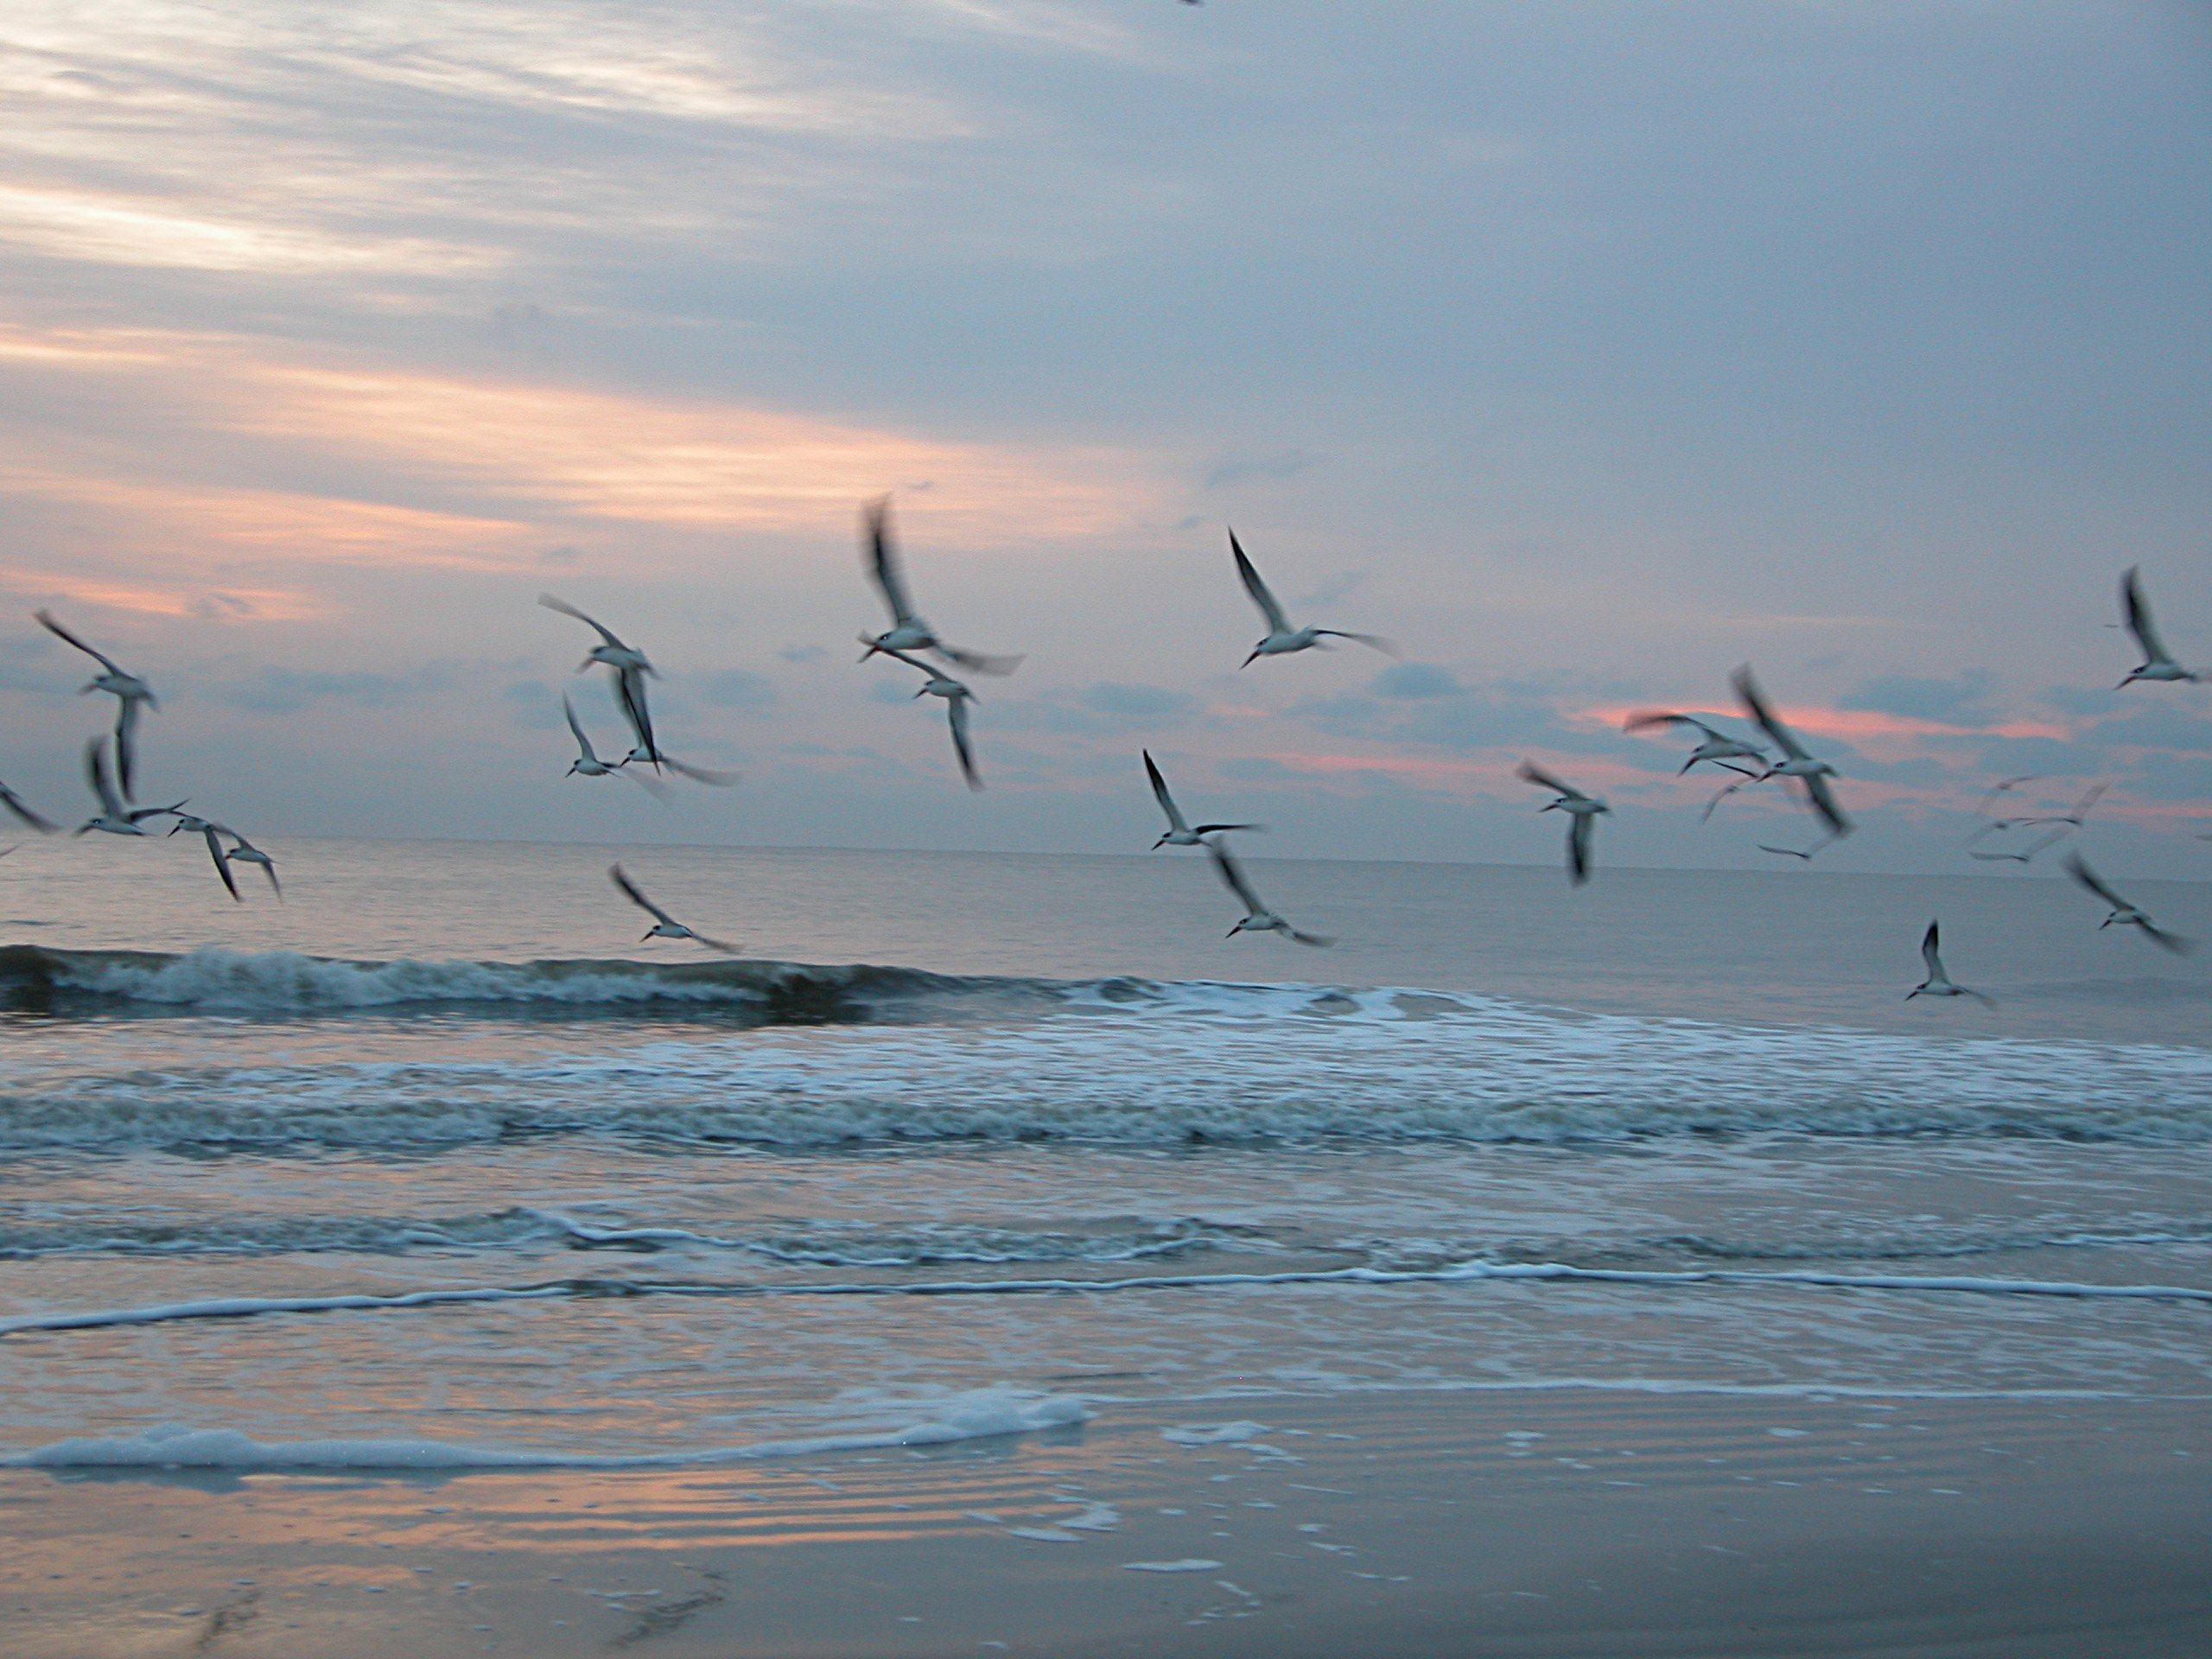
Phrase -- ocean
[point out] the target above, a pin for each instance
(435, 1165)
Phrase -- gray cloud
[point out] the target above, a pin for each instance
(1462, 719)
(1962, 700)
(271, 691)
(736, 688)
(2158, 727)
(1137, 701)
(1413, 680)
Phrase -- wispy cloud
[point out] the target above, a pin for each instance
(209, 452)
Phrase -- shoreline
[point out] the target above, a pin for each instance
(1506, 1522)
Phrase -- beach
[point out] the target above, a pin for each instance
(959, 1287)
(1586, 1521)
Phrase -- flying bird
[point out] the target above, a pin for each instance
(2073, 820)
(1282, 639)
(30, 820)
(628, 665)
(587, 763)
(956, 695)
(610, 649)
(2125, 914)
(2158, 663)
(1258, 918)
(244, 852)
(1180, 832)
(1804, 853)
(1716, 747)
(130, 693)
(2041, 844)
(212, 833)
(1795, 762)
(2004, 785)
(908, 631)
(114, 816)
(664, 926)
(1582, 812)
(2080, 812)
(1938, 983)
(1727, 790)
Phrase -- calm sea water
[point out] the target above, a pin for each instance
(437, 1160)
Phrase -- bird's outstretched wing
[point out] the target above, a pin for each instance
(46, 620)
(212, 834)
(2136, 611)
(2000, 786)
(1372, 641)
(126, 750)
(955, 715)
(699, 774)
(1222, 829)
(2077, 866)
(630, 891)
(981, 662)
(1277, 622)
(911, 661)
(2080, 812)
(883, 561)
(1931, 952)
(1578, 847)
(1755, 705)
(1650, 719)
(1824, 803)
(1159, 791)
(95, 775)
(566, 610)
(2166, 941)
(630, 694)
(583, 742)
(1529, 773)
(1320, 941)
(1233, 875)
(1722, 794)
(14, 803)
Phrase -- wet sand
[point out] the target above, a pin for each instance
(1559, 1522)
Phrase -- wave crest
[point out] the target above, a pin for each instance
(35, 977)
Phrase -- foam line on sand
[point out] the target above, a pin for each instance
(232, 1307)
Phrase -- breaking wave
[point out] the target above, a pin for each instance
(902, 1056)
(36, 978)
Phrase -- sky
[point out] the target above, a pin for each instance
(1585, 350)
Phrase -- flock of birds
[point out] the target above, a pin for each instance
(910, 641)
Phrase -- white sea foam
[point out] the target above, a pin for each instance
(234, 1308)
(981, 1414)
(524, 1228)
(1172, 1064)
(1213, 1433)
